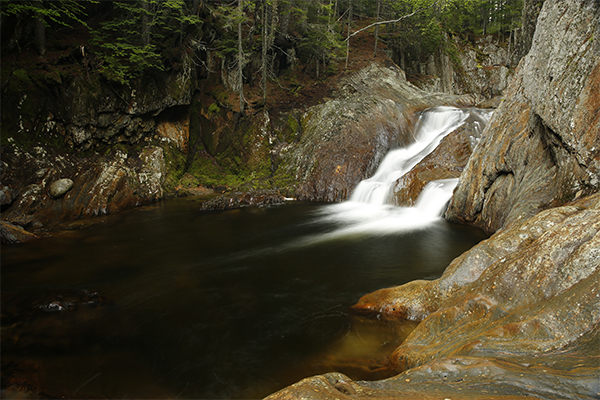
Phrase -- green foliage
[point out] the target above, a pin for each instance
(135, 39)
(214, 109)
(230, 15)
(316, 25)
(63, 12)
(424, 32)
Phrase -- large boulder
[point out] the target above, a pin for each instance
(97, 184)
(515, 316)
(345, 138)
(542, 147)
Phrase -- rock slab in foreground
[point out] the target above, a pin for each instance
(516, 316)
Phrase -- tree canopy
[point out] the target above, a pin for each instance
(135, 37)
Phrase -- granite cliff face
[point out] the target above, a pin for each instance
(345, 139)
(101, 138)
(482, 69)
(517, 315)
(542, 146)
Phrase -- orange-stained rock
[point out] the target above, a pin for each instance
(101, 184)
(345, 139)
(542, 147)
(10, 234)
(515, 316)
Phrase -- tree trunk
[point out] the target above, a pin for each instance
(265, 44)
(285, 18)
(39, 30)
(377, 28)
(240, 59)
(529, 16)
(348, 37)
(40, 36)
(145, 23)
(484, 18)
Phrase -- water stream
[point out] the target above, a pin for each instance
(370, 209)
(169, 302)
(432, 126)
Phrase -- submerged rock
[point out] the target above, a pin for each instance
(238, 200)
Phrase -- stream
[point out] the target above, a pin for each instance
(167, 301)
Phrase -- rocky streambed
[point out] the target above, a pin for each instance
(517, 316)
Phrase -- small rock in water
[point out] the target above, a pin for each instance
(60, 187)
(11, 234)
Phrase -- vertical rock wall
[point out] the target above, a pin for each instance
(542, 146)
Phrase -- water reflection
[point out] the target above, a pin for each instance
(204, 305)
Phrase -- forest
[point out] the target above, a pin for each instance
(256, 40)
(288, 199)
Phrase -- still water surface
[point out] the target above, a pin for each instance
(207, 305)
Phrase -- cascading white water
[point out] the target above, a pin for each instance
(369, 210)
(431, 128)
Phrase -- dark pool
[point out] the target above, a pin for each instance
(169, 302)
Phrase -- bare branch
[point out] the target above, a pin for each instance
(390, 21)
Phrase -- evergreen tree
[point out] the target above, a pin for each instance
(134, 40)
(42, 14)
(233, 17)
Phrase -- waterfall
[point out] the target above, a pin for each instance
(431, 128)
(370, 209)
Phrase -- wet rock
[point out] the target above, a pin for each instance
(7, 195)
(11, 234)
(176, 132)
(542, 147)
(60, 187)
(100, 184)
(238, 200)
(447, 161)
(515, 316)
(344, 140)
(417, 299)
